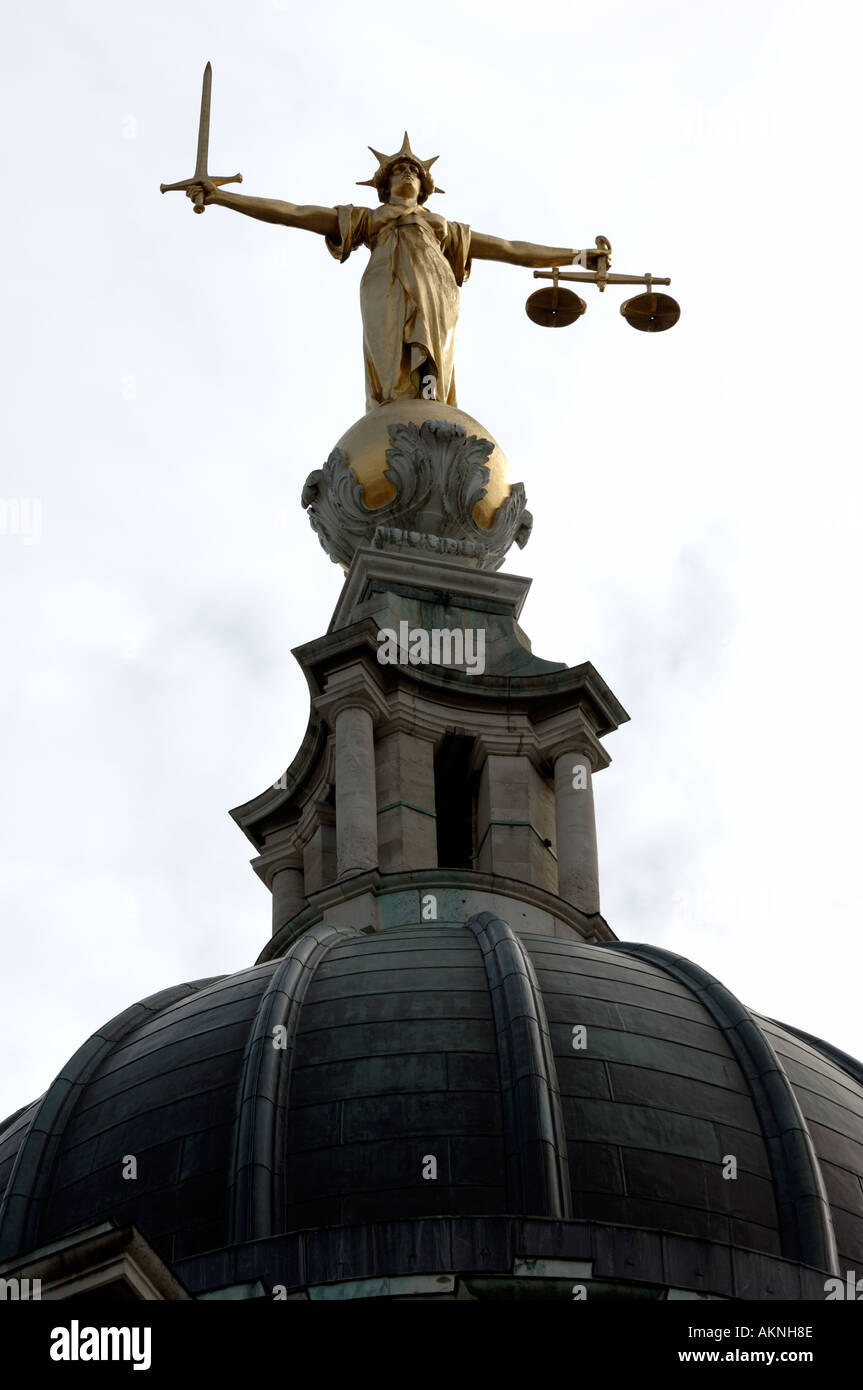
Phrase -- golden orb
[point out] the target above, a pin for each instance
(366, 443)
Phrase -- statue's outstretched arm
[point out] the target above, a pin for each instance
(309, 218)
(495, 248)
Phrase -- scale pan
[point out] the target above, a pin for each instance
(651, 313)
(554, 308)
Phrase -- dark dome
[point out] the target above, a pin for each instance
(455, 1044)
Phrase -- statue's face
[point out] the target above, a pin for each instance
(404, 180)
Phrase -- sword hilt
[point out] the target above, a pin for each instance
(199, 205)
(198, 201)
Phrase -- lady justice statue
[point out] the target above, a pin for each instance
(415, 473)
(409, 294)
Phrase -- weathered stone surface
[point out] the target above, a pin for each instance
(288, 895)
(407, 820)
(356, 798)
(515, 821)
(577, 862)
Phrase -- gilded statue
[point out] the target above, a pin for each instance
(409, 293)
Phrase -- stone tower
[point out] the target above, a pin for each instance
(444, 1077)
(446, 770)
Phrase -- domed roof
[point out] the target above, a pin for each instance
(581, 1103)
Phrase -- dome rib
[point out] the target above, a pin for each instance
(537, 1168)
(805, 1221)
(256, 1204)
(30, 1180)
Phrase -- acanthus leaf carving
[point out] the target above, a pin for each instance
(439, 473)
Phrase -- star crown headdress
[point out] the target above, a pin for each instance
(380, 179)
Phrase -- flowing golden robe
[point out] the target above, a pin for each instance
(408, 294)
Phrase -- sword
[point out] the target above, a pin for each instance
(203, 150)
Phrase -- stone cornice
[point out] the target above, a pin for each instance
(351, 687)
(285, 852)
(553, 691)
(94, 1261)
(571, 732)
(512, 714)
(442, 577)
(251, 814)
(514, 738)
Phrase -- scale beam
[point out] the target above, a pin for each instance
(556, 308)
(593, 277)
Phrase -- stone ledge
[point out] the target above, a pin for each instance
(373, 901)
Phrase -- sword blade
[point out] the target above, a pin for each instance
(204, 125)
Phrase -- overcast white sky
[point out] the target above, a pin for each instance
(170, 380)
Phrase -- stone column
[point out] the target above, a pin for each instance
(356, 798)
(288, 895)
(280, 867)
(577, 864)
